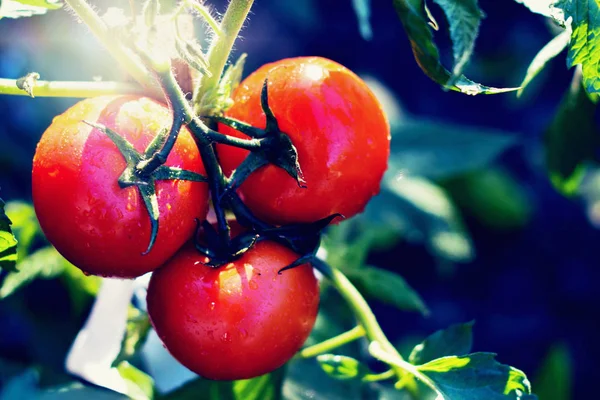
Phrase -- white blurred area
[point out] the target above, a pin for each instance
(99, 342)
(590, 192)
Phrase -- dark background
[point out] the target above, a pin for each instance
(527, 289)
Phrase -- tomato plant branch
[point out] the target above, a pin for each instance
(125, 57)
(69, 89)
(216, 179)
(251, 144)
(172, 92)
(363, 313)
(389, 374)
(330, 344)
(205, 14)
(219, 50)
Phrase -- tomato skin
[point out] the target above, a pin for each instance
(238, 321)
(92, 222)
(338, 128)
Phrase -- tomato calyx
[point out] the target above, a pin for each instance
(301, 238)
(312, 259)
(218, 252)
(275, 148)
(144, 179)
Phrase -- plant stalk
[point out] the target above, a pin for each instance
(70, 89)
(362, 312)
(330, 344)
(220, 49)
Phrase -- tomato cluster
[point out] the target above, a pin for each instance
(245, 317)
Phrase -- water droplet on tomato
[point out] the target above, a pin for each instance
(212, 305)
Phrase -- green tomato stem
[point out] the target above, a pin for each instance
(69, 89)
(172, 92)
(124, 56)
(202, 10)
(248, 144)
(219, 50)
(330, 344)
(363, 313)
(395, 360)
(389, 374)
(216, 179)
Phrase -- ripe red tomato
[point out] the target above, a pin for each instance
(91, 221)
(338, 128)
(238, 321)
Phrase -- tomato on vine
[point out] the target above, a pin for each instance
(94, 223)
(338, 128)
(238, 321)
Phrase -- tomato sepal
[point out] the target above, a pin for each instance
(218, 252)
(145, 181)
(302, 238)
(241, 126)
(305, 259)
(275, 148)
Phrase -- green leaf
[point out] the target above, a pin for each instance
(342, 367)
(263, 387)
(543, 7)
(388, 287)
(456, 340)
(82, 288)
(45, 263)
(415, 19)
(217, 101)
(552, 49)
(554, 379)
(49, 4)
(362, 8)
(584, 47)
(140, 386)
(26, 386)
(437, 150)
(8, 242)
(23, 386)
(571, 139)
(423, 212)
(305, 380)
(464, 17)
(474, 377)
(77, 391)
(25, 8)
(24, 225)
(138, 327)
(492, 196)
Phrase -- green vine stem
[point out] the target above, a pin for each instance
(125, 57)
(333, 343)
(216, 179)
(365, 316)
(205, 14)
(220, 49)
(69, 89)
(389, 374)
